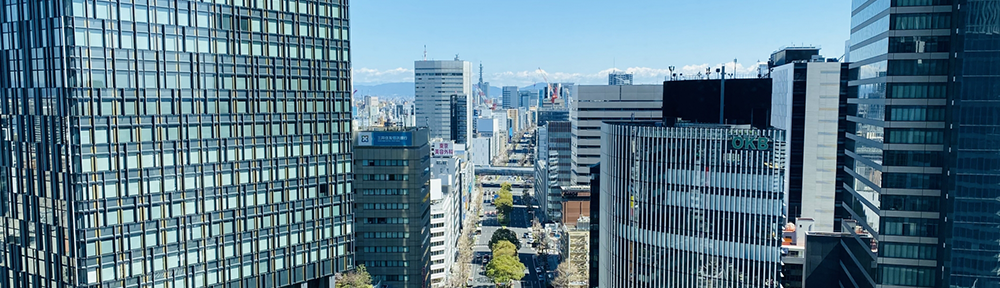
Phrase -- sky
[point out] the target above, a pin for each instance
(520, 41)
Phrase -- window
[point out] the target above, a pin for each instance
(909, 203)
(917, 90)
(915, 136)
(911, 181)
(916, 113)
(908, 276)
(900, 3)
(920, 21)
(918, 67)
(910, 227)
(919, 44)
(907, 250)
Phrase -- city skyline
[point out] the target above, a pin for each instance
(390, 35)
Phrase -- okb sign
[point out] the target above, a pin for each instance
(750, 142)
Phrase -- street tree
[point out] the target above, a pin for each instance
(504, 234)
(566, 274)
(359, 278)
(505, 186)
(504, 268)
(504, 247)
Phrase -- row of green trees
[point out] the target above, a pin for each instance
(504, 267)
(504, 203)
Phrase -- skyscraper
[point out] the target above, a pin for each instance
(437, 82)
(690, 205)
(922, 141)
(511, 97)
(174, 143)
(391, 191)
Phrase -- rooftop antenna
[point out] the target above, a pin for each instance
(425, 52)
(456, 57)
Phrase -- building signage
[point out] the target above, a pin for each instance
(385, 139)
(750, 142)
(443, 149)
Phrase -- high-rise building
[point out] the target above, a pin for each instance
(921, 141)
(692, 205)
(806, 104)
(511, 97)
(391, 188)
(174, 144)
(436, 84)
(554, 167)
(594, 104)
(619, 78)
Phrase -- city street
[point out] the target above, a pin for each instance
(520, 224)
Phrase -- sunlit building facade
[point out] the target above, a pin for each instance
(690, 205)
(174, 143)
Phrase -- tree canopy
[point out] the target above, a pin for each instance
(504, 268)
(504, 202)
(359, 278)
(505, 186)
(504, 234)
(504, 247)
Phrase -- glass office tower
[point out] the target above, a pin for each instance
(174, 143)
(923, 175)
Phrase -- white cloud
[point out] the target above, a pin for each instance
(368, 75)
(642, 75)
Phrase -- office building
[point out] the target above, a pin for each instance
(132, 157)
(710, 197)
(528, 98)
(922, 181)
(554, 168)
(511, 97)
(748, 101)
(439, 87)
(805, 102)
(448, 185)
(460, 127)
(619, 78)
(594, 104)
(834, 259)
(391, 188)
(548, 114)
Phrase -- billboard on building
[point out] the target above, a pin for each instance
(385, 139)
(443, 149)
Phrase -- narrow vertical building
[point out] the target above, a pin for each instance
(805, 102)
(391, 192)
(439, 87)
(175, 143)
(511, 97)
(690, 205)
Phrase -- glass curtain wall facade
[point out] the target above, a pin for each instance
(174, 143)
(922, 180)
(690, 206)
(975, 239)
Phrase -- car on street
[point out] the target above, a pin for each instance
(538, 269)
(541, 277)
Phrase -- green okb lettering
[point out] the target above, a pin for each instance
(749, 142)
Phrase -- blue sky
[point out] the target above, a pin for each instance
(580, 41)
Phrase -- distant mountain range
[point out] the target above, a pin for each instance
(405, 89)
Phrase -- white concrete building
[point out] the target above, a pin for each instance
(816, 165)
(451, 181)
(593, 104)
(434, 84)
